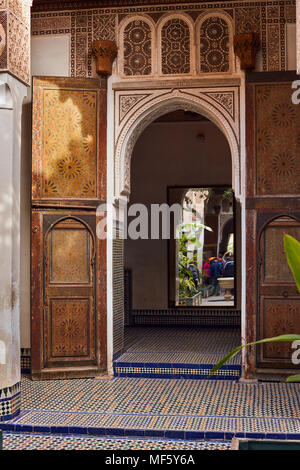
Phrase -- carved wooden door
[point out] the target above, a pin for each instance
(69, 301)
(279, 300)
(68, 260)
(272, 209)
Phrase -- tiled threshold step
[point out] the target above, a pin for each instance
(184, 427)
(123, 367)
(35, 441)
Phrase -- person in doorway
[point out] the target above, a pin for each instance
(215, 271)
(206, 270)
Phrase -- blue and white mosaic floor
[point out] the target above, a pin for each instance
(184, 352)
(23, 441)
(159, 408)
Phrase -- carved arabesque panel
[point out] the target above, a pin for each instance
(137, 48)
(277, 140)
(280, 317)
(175, 47)
(276, 267)
(69, 328)
(214, 45)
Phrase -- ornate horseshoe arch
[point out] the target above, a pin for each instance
(137, 109)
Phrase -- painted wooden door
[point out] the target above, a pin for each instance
(68, 260)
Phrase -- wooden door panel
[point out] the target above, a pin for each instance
(279, 300)
(67, 144)
(71, 331)
(66, 337)
(69, 289)
(280, 316)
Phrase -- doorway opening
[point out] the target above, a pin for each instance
(183, 157)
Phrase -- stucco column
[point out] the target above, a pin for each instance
(14, 79)
(12, 93)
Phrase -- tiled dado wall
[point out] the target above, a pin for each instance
(118, 293)
(10, 398)
(84, 26)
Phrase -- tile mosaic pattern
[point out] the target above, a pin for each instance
(18, 441)
(178, 352)
(187, 317)
(10, 400)
(170, 409)
(25, 360)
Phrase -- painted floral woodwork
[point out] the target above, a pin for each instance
(66, 145)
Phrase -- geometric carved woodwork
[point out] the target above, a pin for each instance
(277, 140)
(65, 329)
(279, 299)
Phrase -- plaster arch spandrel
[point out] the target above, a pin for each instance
(160, 102)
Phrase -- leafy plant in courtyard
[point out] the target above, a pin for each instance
(292, 251)
(189, 234)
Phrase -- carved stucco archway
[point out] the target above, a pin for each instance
(221, 106)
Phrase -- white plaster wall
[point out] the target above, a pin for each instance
(169, 154)
(49, 57)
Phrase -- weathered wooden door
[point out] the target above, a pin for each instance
(272, 209)
(68, 260)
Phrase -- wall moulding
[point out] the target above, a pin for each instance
(136, 109)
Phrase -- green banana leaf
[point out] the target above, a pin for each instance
(292, 251)
(275, 339)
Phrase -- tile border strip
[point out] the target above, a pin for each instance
(167, 434)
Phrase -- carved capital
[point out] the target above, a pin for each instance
(105, 52)
(246, 46)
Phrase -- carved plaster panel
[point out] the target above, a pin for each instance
(15, 38)
(218, 104)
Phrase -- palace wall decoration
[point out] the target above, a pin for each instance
(136, 109)
(139, 31)
(15, 38)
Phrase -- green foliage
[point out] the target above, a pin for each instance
(227, 194)
(189, 233)
(292, 251)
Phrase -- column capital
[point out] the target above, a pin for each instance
(246, 46)
(105, 52)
